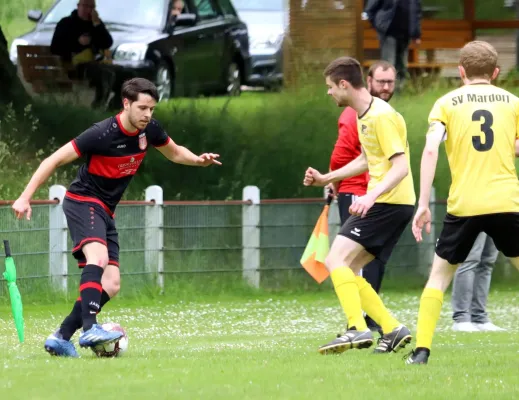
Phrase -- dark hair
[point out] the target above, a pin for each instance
(345, 68)
(380, 64)
(133, 87)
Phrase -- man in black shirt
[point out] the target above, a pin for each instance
(81, 31)
(80, 39)
(114, 149)
(397, 22)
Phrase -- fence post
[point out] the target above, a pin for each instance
(251, 236)
(154, 234)
(58, 235)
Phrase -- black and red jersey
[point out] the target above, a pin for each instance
(113, 156)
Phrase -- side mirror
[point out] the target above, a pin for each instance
(34, 15)
(185, 20)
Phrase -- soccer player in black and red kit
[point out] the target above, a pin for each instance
(114, 149)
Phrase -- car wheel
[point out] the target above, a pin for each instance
(233, 84)
(164, 81)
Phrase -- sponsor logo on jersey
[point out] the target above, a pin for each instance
(143, 143)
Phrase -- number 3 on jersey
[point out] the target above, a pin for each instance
(486, 128)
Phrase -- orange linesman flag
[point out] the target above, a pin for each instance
(318, 246)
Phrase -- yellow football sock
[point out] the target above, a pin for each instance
(373, 306)
(428, 315)
(347, 291)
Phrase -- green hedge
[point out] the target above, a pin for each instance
(264, 139)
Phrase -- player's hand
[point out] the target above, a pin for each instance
(95, 17)
(85, 40)
(22, 206)
(422, 218)
(313, 178)
(362, 205)
(333, 187)
(207, 159)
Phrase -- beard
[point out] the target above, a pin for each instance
(382, 94)
(138, 124)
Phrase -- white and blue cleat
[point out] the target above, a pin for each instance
(97, 335)
(55, 345)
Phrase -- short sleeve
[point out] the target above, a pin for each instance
(91, 141)
(517, 119)
(157, 136)
(438, 113)
(388, 136)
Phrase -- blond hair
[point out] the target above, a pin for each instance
(478, 59)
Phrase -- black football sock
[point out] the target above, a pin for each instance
(90, 290)
(105, 298)
(73, 322)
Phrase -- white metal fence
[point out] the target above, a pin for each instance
(256, 238)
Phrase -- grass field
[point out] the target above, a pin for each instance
(257, 348)
(13, 16)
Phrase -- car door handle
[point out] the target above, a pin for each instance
(201, 35)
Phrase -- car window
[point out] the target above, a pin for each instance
(227, 7)
(149, 13)
(185, 6)
(206, 9)
(256, 5)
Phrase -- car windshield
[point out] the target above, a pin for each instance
(256, 5)
(146, 13)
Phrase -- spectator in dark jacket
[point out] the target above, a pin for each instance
(397, 22)
(79, 40)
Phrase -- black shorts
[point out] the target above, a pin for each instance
(379, 231)
(89, 222)
(344, 201)
(459, 233)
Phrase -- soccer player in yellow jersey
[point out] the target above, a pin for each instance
(378, 218)
(479, 124)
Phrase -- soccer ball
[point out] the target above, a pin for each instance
(116, 348)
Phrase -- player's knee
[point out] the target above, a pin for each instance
(112, 286)
(111, 281)
(100, 261)
(441, 274)
(331, 262)
(96, 254)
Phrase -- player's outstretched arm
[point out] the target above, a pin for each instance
(354, 168)
(64, 155)
(182, 155)
(427, 171)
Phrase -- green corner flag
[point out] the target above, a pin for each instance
(14, 293)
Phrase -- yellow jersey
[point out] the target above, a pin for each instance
(383, 134)
(481, 122)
